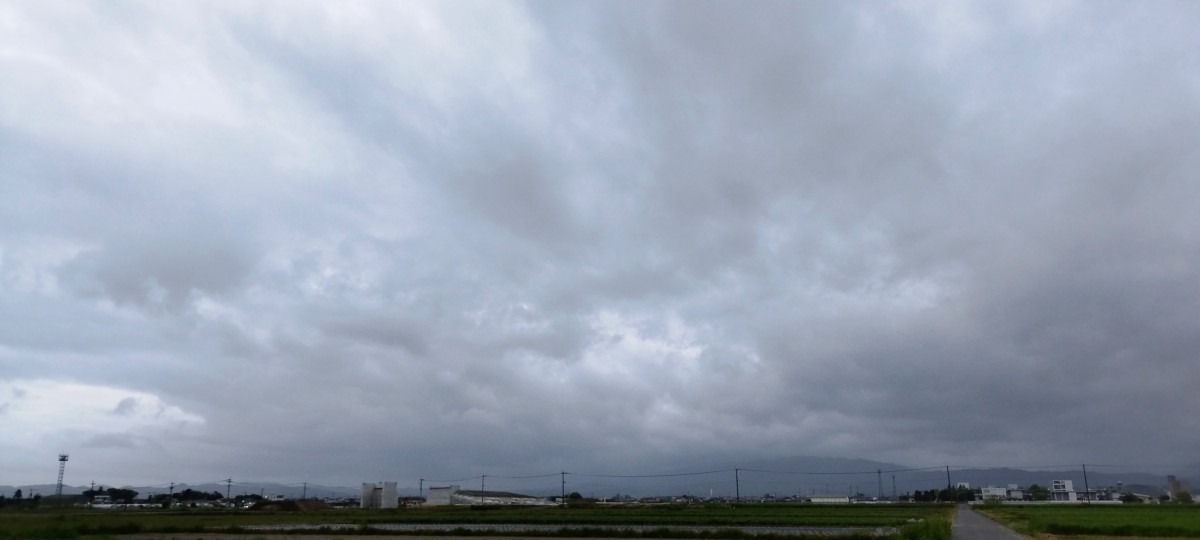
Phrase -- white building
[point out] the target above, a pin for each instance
(993, 493)
(440, 495)
(829, 499)
(1063, 490)
(382, 495)
(452, 495)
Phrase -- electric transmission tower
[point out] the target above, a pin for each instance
(62, 467)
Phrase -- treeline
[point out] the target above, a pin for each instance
(963, 494)
(188, 495)
(959, 494)
(19, 499)
(129, 496)
(116, 495)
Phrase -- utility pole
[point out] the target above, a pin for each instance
(1086, 490)
(879, 479)
(948, 490)
(894, 488)
(228, 483)
(737, 486)
(563, 500)
(482, 487)
(421, 489)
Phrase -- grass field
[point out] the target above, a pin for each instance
(916, 522)
(1142, 520)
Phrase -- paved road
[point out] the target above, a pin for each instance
(970, 525)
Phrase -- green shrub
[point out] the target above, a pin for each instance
(929, 529)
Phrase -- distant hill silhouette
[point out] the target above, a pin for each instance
(781, 477)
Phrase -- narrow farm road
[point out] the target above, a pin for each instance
(970, 525)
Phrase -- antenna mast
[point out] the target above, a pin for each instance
(62, 467)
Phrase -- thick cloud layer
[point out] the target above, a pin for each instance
(368, 240)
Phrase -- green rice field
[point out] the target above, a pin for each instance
(1141, 520)
(913, 522)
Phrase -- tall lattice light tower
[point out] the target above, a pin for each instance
(62, 467)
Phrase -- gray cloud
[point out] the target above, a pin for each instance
(529, 237)
(126, 406)
(112, 440)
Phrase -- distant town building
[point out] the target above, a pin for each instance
(1063, 490)
(440, 495)
(993, 493)
(829, 499)
(451, 495)
(1175, 486)
(382, 495)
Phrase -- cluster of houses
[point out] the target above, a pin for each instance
(1062, 491)
(383, 495)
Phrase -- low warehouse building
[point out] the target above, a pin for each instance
(382, 495)
(453, 495)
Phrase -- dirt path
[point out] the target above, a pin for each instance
(970, 525)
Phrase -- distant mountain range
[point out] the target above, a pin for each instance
(778, 477)
(837, 476)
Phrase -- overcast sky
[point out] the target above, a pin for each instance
(347, 241)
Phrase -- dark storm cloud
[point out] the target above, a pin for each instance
(153, 267)
(521, 238)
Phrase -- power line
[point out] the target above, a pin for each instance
(966, 467)
(526, 476)
(452, 481)
(843, 473)
(653, 475)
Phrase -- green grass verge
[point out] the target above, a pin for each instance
(934, 528)
(1159, 521)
